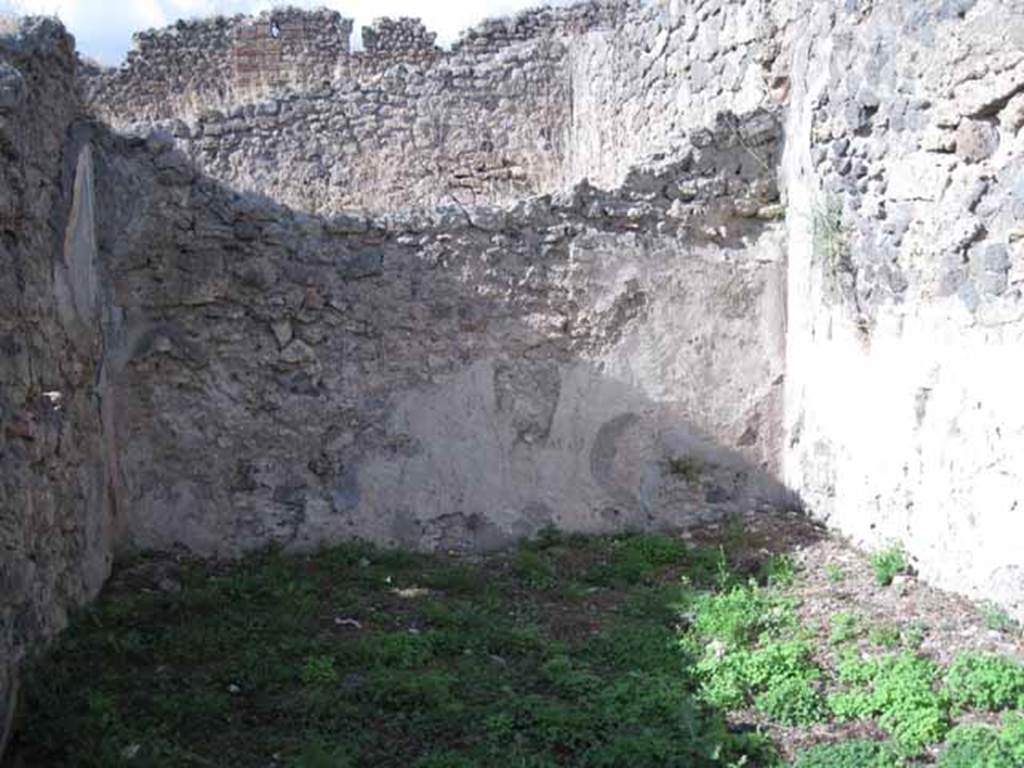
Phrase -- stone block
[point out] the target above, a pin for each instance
(976, 140)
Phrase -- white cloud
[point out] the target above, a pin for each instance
(103, 28)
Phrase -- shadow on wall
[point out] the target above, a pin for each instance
(450, 379)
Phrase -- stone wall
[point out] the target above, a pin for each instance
(206, 345)
(399, 37)
(906, 318)
(188, 365)
(640, 88)
(56, 500)
(414, 134)
(399, 125)
(520, 106)
(453, 378)
(195, 66)
(225, 63)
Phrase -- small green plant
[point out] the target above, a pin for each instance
(445, 759)
(885, 635)
(534, 568)
(830, 240)
(985, 681)
(656, 549)
(510, 661)
(793, 702)
(735, 536)
(1012, 736)
(998, 620)
(395, 690)
(636, 558)
(318, 753)
(626, 645)
(844, 628)
(887, 564)
(739, 616)
(851, 754)
(569, 678)
(915, 635)
(835, 573)
(396, 650)
(780, 678)
(901, 691)
(319, 671)
(688, 468)
(982, 746)
(549, 537)
(779, 571)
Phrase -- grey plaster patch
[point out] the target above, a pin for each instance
(12, 88)
(527, 394)
(602, 458)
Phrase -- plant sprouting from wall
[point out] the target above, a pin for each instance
(831, 242)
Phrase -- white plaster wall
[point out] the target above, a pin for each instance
(904, 409)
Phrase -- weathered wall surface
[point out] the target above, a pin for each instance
(187, 365)
(906, 319)
(520, 106)
(223, 63)
(440, 373)
(55, 499)
(196, 66)
(458, 378)
(411, 135)
(399, 125)
(639, 89)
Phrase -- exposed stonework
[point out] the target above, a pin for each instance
(399, 125)
(291, 292)
(906, 316)
(55, 492)
(399, 37)
(609, 87)
(436, 377)
(521, 106)
(453, 378)
(199, 65)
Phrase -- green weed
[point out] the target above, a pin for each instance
(318, 752)
(845, 627)
(885, 635)
(742, 614)
(887, 564)
(590, 652)
(534, 568)
(319, 670)
(835, 573)
(985, 681)
(637, 558)
(901, 691)
(915, 634)
(793, 702)
(851, 754)
(780, 571)
(780, 678)
(982, 746)
(998, 620)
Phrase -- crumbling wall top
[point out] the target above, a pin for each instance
(285, 24)
(223, 62)
(403, 35)
(577, 19)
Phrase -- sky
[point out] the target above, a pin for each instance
(103, 28)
